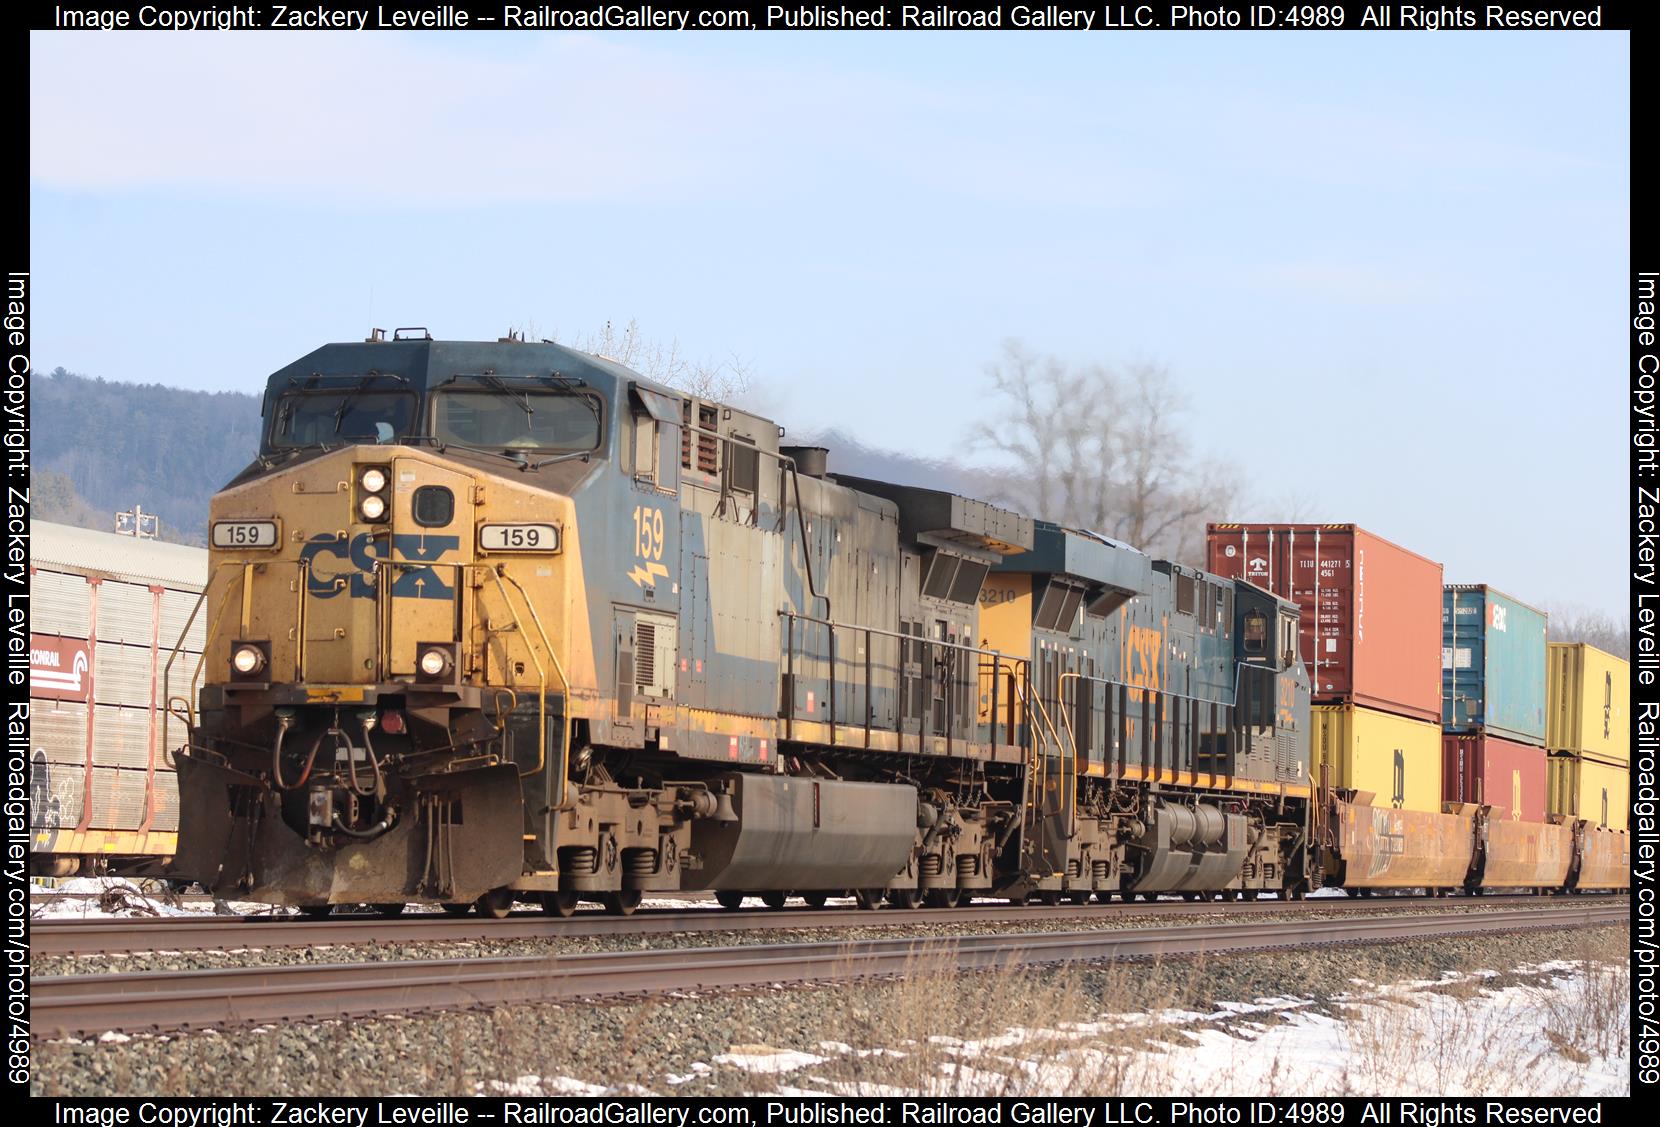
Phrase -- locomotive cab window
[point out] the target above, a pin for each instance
(518, 419)
(1254, 637)
(340, 416)
(654, 445)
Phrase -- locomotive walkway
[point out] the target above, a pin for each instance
(212, 933)
(168, 1000)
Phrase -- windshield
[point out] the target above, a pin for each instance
(332, 418)
(523, 420)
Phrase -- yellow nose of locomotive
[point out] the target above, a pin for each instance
(348, 570)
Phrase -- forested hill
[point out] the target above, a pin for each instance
(100, 447)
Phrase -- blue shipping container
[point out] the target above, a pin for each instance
(1492, 664)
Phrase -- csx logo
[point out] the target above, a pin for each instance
(360, 554)
(1142, 649)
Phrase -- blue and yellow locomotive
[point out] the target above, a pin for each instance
(503, 621)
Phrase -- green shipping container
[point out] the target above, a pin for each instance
(1492, 664)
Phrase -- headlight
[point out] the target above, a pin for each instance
(435, 662)
(373, 480)
(247, 660)
(372, 507)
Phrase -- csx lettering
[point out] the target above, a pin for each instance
(1142, 647)
(360, 554)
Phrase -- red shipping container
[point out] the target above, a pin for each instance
(1371, 610)
(1503, 774)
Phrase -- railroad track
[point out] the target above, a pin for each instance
(167, 1000)
(211, 933)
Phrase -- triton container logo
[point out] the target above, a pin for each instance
(354, 563)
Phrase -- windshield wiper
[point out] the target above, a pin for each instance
(440, 445)
(352, 396)
(492, 380)
(527, 465)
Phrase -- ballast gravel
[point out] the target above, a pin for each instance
(916, 925)
(709, 1044)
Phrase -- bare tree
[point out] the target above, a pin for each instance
(1105, 451)
(1580, 624)
(723, 381)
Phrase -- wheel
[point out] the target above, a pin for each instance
(941, 898)
(622, 903)
(774, 900)
(1229, 895)
(1190, 897)
(1019, 899)
(561, 904)
(457, 909)
(1150, 897)
(904, 897)
(388, 911)
(815, 899)
(1103, 896)
(1078, 897)
(495, 904)
(317, 911)
(1048, 897)
(869, 899)
(729, 900)
(1298, 893)
(1248, 894)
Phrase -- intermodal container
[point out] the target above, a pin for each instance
(1588, 703)
(1394, 759)
(1492, 664)
(1371, 610)
(1600, 793)
(1487, 770)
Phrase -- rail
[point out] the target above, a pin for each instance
(78, 938)
(66, 1005)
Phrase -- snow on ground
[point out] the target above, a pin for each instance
(765, 1058)
(1558, 1030)
(94, 898)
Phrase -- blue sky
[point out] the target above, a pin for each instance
(1388, 269)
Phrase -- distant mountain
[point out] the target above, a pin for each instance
(122, 444)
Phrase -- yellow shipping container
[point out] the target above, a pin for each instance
(1396, 760)
(1588, 702)
(1583, 788)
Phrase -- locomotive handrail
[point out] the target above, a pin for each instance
(201, 659)
(1111, 683)
(564, 682)
(1034, 702)
(791, 618)
(785, 464)
(462, 567)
